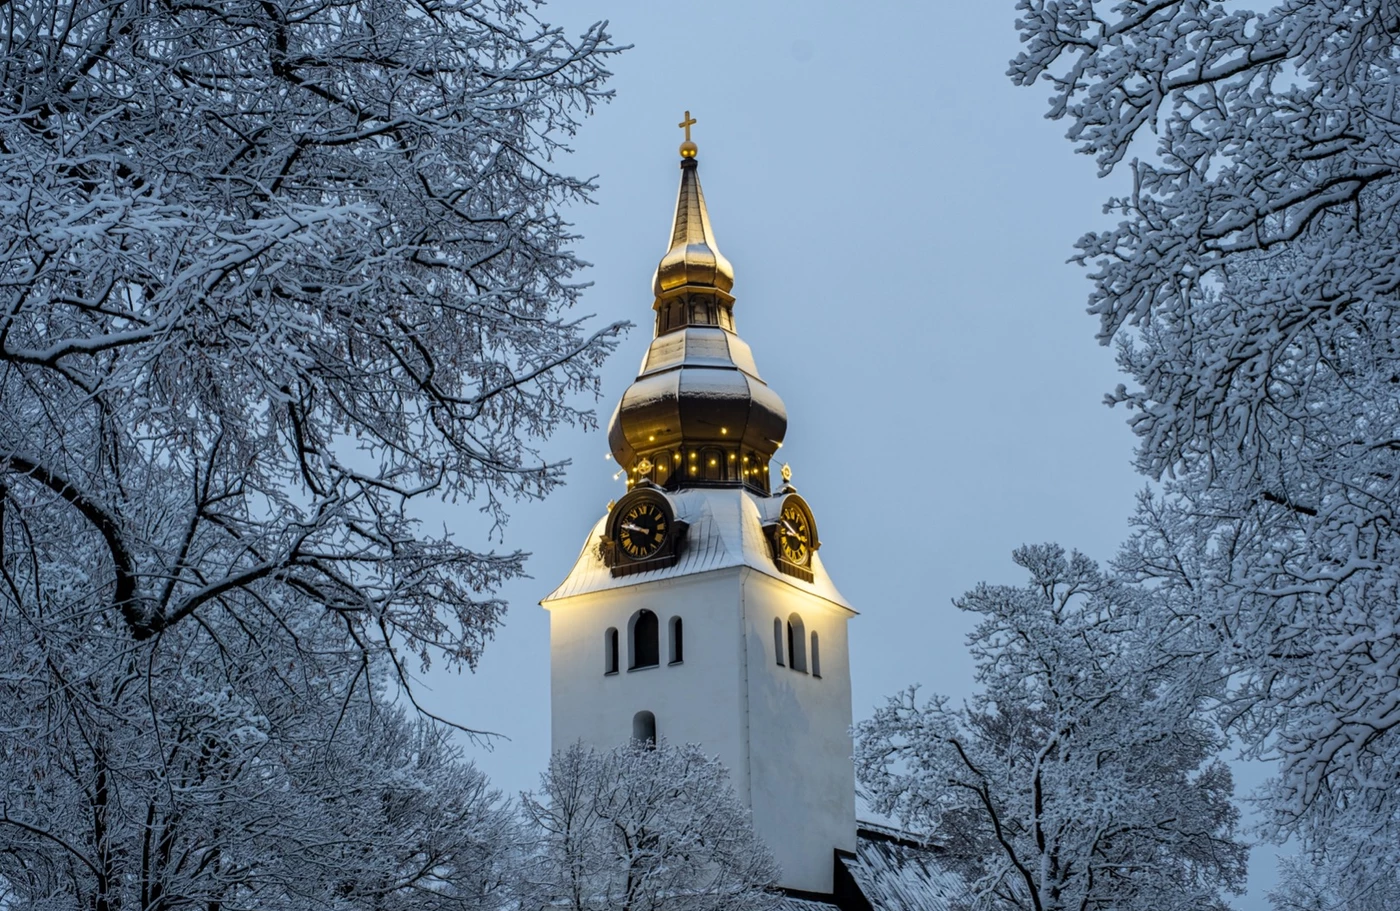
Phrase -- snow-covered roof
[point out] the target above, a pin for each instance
(726, 529)
(895, 873)
(792, 903)
(889, 872)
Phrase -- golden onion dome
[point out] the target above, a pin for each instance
(698, 412)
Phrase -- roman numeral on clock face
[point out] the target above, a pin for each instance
(642, 530)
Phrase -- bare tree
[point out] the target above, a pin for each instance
(273, 271)
(1082, 775)
(216, 769)
(1342, 878)
(645, 827)
(1251, 284)
(271, 274)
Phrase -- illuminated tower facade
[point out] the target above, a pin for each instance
(698, 609)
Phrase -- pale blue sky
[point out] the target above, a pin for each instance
(898, 216)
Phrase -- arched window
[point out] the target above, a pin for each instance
(610, 651)
(816, 656)
(677, 641)
(778, 640)
(644, 728)
(797, 644)
(645, 633)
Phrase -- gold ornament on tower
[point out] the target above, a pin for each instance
(694, 259)
(688, 148)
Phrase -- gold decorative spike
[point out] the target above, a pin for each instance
(787, 472)
(688, 148)
(694, 258)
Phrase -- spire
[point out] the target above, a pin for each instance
(698, 413)
(694, 259)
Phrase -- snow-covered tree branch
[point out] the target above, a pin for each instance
(1343, 876)
(1081, 776)
(271, 273)
(221, 770)
(1252, 287)
(645, 828)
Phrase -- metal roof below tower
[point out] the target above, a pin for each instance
(890, 871)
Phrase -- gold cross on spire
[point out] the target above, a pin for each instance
(688, 148)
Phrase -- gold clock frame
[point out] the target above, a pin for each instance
(774, 531)
(616, 557)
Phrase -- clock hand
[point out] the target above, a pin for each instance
(793, 531)
(630, 527)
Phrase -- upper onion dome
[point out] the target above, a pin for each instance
(698, 413)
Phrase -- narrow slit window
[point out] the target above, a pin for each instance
(816, 656)
(646, 647)
(610, 651)
(778, 640)
(677, 641)
(796, 644)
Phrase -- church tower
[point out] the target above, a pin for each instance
(699, 610)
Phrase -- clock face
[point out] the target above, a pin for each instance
(795, 534)
(642, 530)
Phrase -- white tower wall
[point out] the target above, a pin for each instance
(698, 701)
(802, 788)
(784, 734)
